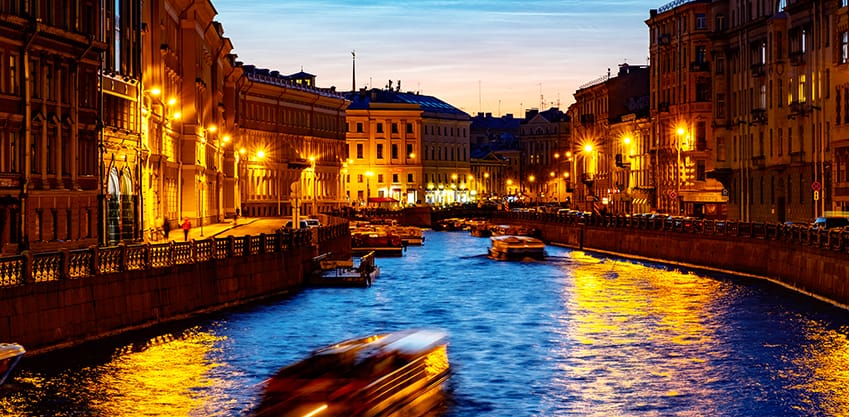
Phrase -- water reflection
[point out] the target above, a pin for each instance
(576, 334)
(167, 375)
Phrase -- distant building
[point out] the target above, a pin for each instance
(607, 112)
(407, 148)
(545, 140)
(495, 154)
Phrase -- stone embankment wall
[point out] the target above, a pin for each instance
(144, 285)
(812, 262)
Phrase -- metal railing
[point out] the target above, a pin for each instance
(835, 240)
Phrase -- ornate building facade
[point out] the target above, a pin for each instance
(608, 112)
(291, 144)
(407, 148)
(544, 140)
(49, 124)
(683, 56)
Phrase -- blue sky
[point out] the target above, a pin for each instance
(497, 56)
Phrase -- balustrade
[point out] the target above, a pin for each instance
(83, 263)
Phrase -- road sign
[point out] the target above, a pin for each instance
(816, 186)
(672, 194)
(816, 196)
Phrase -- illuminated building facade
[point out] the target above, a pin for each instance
(291, 144)
(187, 112)
(606, 112)
(50, 56)
(407, 148)
(683, 55)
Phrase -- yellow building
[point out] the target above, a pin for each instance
(405, 149)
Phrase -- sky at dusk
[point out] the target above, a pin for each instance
(496, 56)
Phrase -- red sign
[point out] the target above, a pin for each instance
(672, 194)
(816, 186)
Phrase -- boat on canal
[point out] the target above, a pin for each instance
(381, 375)
(512, 247)
(10, 355)
(379, 240)
(344, 273)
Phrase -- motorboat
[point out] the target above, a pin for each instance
(382, 375)
(516, 247)
(378, 240)
(10, 355)
(410, 235)
(344, 273)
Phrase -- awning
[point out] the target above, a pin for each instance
(382, 200)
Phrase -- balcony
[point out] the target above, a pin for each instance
(758, 70)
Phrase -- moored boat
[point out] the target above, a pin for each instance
(377, 240)
(516, 247)
(334, 273)
(381, 375)
(10, 354)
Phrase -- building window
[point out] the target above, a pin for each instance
(380, 128)
(394, 128)
(701, 21)
(844, 47)
(700, 170)
(409, 178)
(379, 151)
(394, 178)
(380, 178)
(394, 151)
(359, 127)
(409, 150)
(410, 125)
(359, 178)
(359, 151)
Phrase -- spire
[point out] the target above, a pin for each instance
(353, 71)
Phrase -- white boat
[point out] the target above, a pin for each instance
(516, 247)
(10, 354)
(382, 375)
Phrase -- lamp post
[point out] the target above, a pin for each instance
(369, 174)
(200, 205)
(314, 185)
(681, 132)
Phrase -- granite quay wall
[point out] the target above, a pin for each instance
(814, 262)
(59, 299)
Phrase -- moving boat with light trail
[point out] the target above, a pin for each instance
(10, 355)
(393, 374)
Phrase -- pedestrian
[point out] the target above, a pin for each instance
(186, 226)
(166, 229)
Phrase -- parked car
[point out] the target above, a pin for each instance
(829, 222)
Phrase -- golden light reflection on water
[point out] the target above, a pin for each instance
(827, 356)
(650, 324)
(166, 377)
(635, 339)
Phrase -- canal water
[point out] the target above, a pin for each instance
(575, 335)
